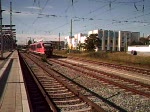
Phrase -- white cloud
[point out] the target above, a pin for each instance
(50, 7)
(23, 38)
(33, 7)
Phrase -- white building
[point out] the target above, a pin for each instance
(140, 50)
(110, 40)
(115, 40)
(75, 40)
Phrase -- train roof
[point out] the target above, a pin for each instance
(45, 42)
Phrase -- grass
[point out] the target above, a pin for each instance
(44, 59)
(114, 57)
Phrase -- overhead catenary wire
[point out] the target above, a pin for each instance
(128, 21)
(125, 21)
(99, 12)
(80, 17)
(40, 10)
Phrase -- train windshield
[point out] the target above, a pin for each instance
(46, 45)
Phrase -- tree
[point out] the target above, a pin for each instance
(80, 46)
(66, 45)
(143, 41)
(92, 42)
(134, 43)
(29, 42)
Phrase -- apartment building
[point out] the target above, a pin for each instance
(108, 38)
(75, 40)
(115, 40)
(111, 40)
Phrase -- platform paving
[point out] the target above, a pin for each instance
(13, 97)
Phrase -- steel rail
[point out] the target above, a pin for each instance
(95, 107)
(46, 96)
(104, 79)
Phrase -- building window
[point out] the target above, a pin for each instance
(111, 41)
(116, 42)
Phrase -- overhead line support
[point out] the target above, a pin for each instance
(1, 33)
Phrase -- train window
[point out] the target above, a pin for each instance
(39, 46)
(31, 47)
(34, 47)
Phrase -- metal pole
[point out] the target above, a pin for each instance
(126, 43)
(59, 41)
(1, 33)
(71, 33)
(71, 29)
(11, 35)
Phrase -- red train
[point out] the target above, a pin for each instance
(43, 48)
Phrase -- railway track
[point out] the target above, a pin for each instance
(108, 96)
(121, 67)
(65, 95)
(129, 85)
(37, 100)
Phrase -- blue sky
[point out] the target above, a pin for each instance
(45, 19)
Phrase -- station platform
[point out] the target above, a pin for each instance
(13, 96)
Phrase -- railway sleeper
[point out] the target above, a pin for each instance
(78, 105)
(80, 110)
(144, 89)
(61, 96)
(64, 93)
(147, 91)
(52, 84)
(68, 102)
(83, 108)
(54, 88)
(66, 98)
(131, 84)
(42, 76)
(57, 91)
(48, 81)
(46, 78)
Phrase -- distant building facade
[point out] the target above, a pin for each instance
(75, 40)
(143, 50)
(110, 40)
(115, 40)
(58, 44)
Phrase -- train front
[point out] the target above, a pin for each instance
(48, 49)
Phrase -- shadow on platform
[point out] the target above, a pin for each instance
(4, 77)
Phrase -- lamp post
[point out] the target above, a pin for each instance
(1, 33)
(59, 42)
(11, 33)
